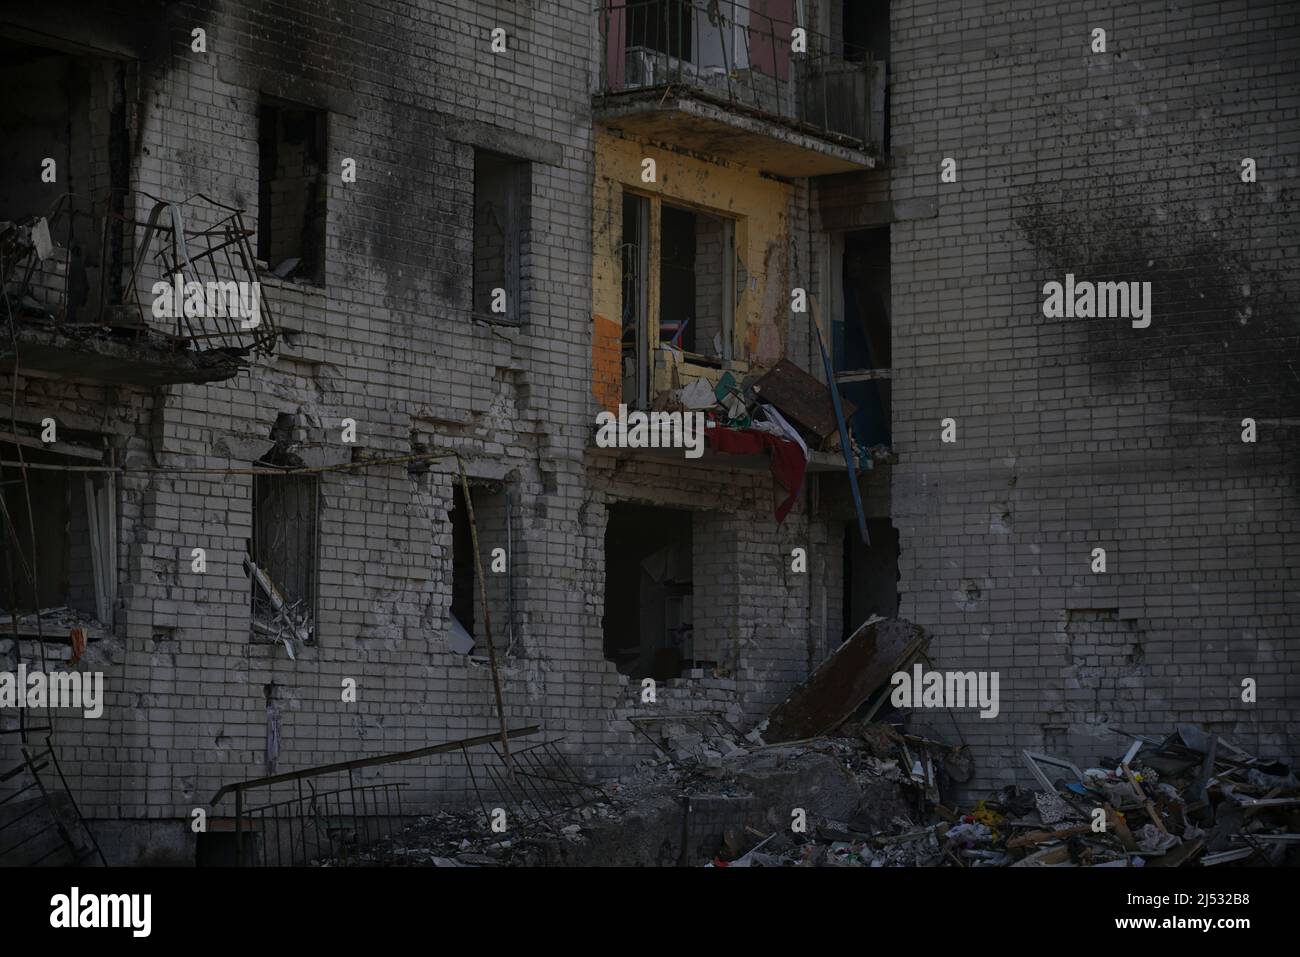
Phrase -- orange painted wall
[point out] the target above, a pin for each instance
(606, 362)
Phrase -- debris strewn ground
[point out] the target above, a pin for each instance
(875, 796)
(862, 791)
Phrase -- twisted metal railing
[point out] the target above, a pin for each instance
(197, 240)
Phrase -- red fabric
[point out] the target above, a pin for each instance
(788, 463)
(78, 640)
(734, 441)
(788, 466)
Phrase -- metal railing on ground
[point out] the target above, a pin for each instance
(330, 812)
(40, 823)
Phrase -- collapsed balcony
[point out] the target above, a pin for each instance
(722, 79)
(187, 308)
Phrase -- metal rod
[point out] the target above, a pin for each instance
(239, 832)
(304, 470)
(75, 806)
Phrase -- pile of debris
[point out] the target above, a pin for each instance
(863, 796)
(710, 787)
(1191, 799)
(834, 778)
(784, 411)
(275, 618)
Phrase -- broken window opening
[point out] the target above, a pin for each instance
(698, 278)
(282, 561)
(648, 624)
(70, 579)
(492, 517)
(291, 191)
(870, 573)
(500, 214)
(695, 272)
(861, 334)
(865, 29)
(70, 109)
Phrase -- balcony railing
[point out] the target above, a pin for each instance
(71, 283)
(721, 51)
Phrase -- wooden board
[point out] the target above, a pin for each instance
(802, 399)
(858, 668)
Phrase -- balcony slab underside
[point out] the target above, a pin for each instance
(95, 353)
(713, 459)
(678, 118)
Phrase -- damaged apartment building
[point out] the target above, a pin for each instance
(350, 537)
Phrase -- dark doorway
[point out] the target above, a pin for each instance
(870, 573)
(648, 590)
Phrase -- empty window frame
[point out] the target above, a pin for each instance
(679, 269)
(865, 29)
(71, 109)
(649, 620)
(291, 191)
(501, 187)
(69, 574)
(860, 331)
(695, 270)
(283, 550)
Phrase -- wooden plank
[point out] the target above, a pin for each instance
(1156, 819)
(863, 375)
(857, 669)
(1115, 821)
(1041, 837)
(1047, 857)
(801, 399)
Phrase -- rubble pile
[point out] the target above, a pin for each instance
(853, 783)
(833, 778)
(465, 838)
(1191, 799)
(884, 798)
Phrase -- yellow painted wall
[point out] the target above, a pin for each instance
(762, 232)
